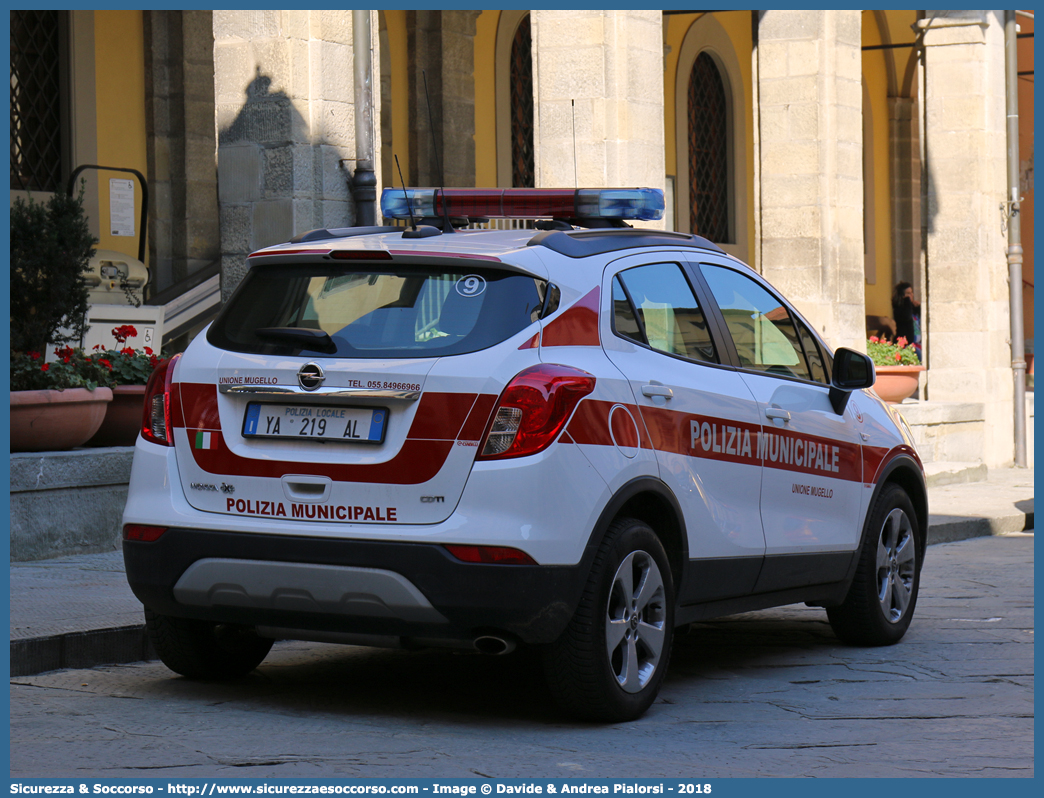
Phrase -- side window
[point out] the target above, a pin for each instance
(760, 325)
(654, 305)
(812, 352)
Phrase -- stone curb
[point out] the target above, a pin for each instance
(115, 646)
(123, 644)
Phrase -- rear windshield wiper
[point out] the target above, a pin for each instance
(315, 340)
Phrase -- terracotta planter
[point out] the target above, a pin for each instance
(43, 421)
(122, 417)
(895, 383)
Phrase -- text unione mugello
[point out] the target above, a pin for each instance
(310, 512)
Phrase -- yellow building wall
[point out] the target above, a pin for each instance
(486, 98)
(878, 296)
(119, 63)
(738, 26)
(400, 94)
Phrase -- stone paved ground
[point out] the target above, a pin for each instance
(763, 694)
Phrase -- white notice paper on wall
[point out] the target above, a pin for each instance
(121, 207)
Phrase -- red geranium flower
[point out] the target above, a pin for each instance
(898, 356)
(106, 363)
(45, 367)
(34, 355)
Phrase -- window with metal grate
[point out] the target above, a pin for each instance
(708, 154)
(38, 88)
(522, 164)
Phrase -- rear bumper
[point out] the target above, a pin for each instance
(360, 587)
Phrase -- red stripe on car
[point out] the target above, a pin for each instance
(578, 326)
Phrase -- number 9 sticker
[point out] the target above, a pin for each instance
(471, 285)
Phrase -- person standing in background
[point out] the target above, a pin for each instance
(907, 314)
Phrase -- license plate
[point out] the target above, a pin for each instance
(315, 422)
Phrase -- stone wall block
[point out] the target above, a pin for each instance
(784, 91)
(332, 26)
(277, 168)
(335, 180)
(338, 214)
(233, 72)
(573, 74)
(790, 25)
(239, 173)
(792, 191)
(303, 156)
(336, 79)
(236, 228)
(233, 270)
(197, 37)
(301, 68)
(338, 125)
(802, 57)
(297, 24)
(272, 222)
(201, 203)
(272, 68)
(246, 25)
(790, 158)
(199, 83)
(848, 29)
(800, 253)
(773, 61)
(791, 222)
(802, 122)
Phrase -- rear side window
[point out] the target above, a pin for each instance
(394, 313)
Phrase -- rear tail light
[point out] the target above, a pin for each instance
(533, 409)
(155, 421)
(493, 555)
(146, 534)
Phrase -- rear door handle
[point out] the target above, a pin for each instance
(656, 389)
(777, 413)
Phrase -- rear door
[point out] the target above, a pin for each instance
(376, 420)
(811, 492)
(701, 417)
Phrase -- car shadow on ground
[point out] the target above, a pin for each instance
(435, 684)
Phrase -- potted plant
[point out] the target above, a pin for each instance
(59, 404)
(129, 370)
(898, 368)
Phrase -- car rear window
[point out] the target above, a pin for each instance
(375, 313)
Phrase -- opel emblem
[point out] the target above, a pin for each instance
(310, 376)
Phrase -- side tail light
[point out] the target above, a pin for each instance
(533, 409)
(155, 421)
(490, 555)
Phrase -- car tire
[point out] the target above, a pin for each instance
(203, 650)
(610, 661)
(880, 603)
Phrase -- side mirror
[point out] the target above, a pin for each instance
(853, 371)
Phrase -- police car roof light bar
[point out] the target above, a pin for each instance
(644, 204)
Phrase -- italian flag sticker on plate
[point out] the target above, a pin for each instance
(206, 440)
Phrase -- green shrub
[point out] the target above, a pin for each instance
(51, 248)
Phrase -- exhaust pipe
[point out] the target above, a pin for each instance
(494, 646)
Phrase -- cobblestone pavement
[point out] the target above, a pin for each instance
(761, 694)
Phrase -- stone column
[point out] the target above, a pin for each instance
(905, 189)
(969, 354)
(286, 127)
(811, 155)
(442, 48)
(611, 64)
(179, 95)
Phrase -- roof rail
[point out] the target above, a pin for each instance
(582, 243)
(322, 234)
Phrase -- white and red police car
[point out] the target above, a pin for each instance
(576, 439)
